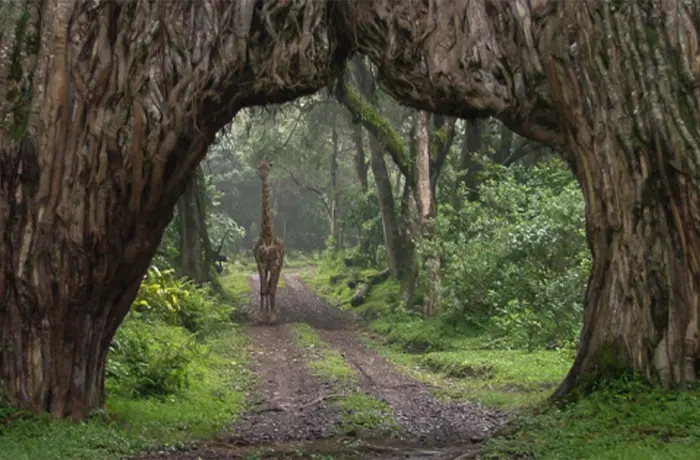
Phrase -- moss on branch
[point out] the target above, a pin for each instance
(377, 125)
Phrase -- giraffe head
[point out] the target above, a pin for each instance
(264, 169)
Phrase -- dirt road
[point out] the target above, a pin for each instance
(295, 415)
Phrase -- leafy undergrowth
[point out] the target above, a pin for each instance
(359, 411)
(625, 420)
(177, 372)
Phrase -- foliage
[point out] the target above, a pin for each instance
(516, 263)
(177, 301)
(150, 359)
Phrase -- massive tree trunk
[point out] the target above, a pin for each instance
(637, 158)
(617, 96)
(105, 110)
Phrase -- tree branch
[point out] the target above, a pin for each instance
(377, 126)
(524, 149)
(442, 146)
(310, 188)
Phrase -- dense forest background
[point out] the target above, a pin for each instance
(507, 231)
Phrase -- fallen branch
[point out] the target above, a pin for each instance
(365, 287)
(321, 399)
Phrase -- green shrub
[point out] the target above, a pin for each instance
(150, 358)
(516, 263)
(179, 302)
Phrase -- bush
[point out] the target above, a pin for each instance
(179, 302)
(150, 358)
(516, 263)
(154, 347)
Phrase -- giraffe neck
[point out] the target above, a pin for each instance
(266, 227)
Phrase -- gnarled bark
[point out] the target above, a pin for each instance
(107, 107)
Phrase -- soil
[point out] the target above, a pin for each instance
(295, 417)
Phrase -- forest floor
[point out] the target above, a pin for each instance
(323, 393)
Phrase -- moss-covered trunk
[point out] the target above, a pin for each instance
(634, 143)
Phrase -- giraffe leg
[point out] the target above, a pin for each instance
(274, 279)
(263, 288)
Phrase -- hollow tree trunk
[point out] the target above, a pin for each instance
(102, 122)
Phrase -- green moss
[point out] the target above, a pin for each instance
(18, 95)
(368, 114)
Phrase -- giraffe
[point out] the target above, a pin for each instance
(269, 252)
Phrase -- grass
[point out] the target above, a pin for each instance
(322, 360)
(510, 379)
(358, 411)
(128, 426)
(625, 420)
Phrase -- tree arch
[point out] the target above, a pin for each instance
(107, 107)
